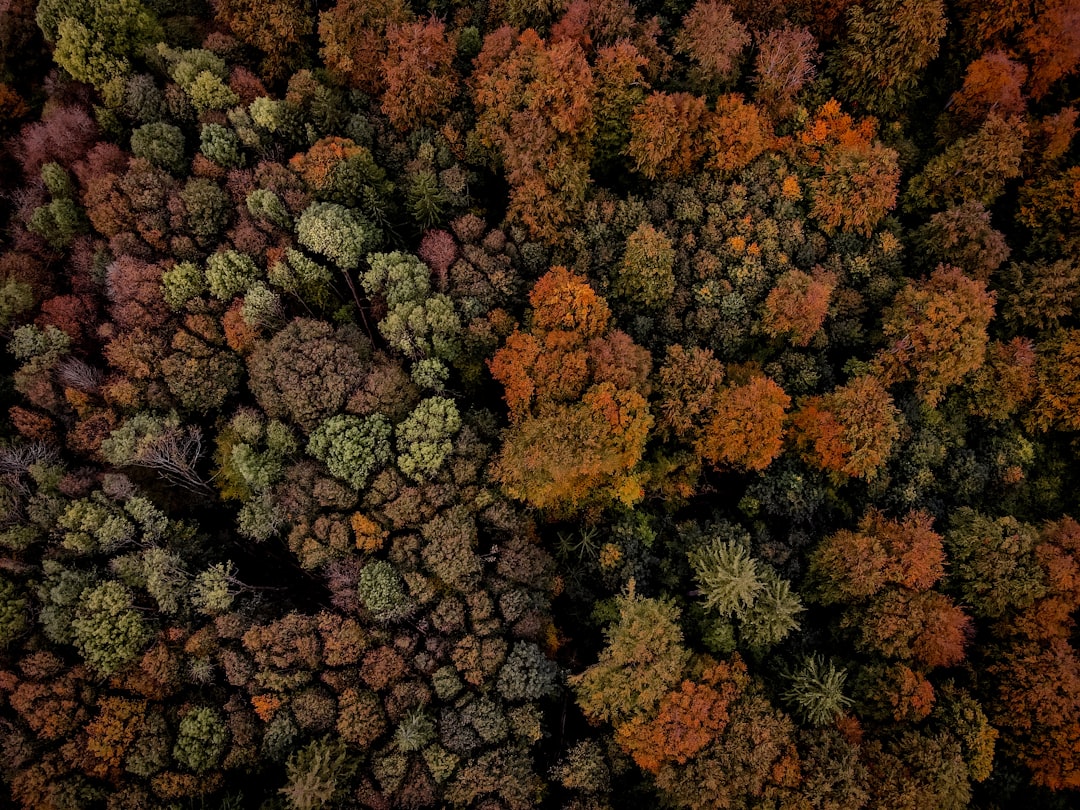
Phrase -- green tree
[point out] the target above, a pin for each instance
(201, 739)
(341, 235)
(353, 448)
(424, 439)
(160, 143)
(642, 660)
(108, 631)
(817, 691)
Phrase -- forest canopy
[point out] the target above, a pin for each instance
(574, 404)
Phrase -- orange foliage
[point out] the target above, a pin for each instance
(111, 733)
(853, 565)
(851, 430)
(317, 165)
(534, 107)
(798, 304)
(370, 536)
(418, 73)
(690, 389)
(1052, 42)
(1038, 708)
(666, 135)
(1058, 403)
(689, 718)
(936, 332)
(993, 83)
(278, 28)
(354, 42)
(713, 39)
(853, 178)
(576, 396)
(909, 694)
(747, 428)
(266, 706)
(923, 627)
(1006, 382)
(735, 134)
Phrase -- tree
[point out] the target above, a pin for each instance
(354, 39)
(992, 563)
(534, 105)
(727, 576)
(201, 739)
(1037, 695)
(95, 39)
(419, 322)
(973, 168)
(936, 332)
(963, 236)
(576, 391)
(747, 428)
(888, 44)
(713, 39)
(785, 63)
(993, 83)
(796, 307)
(424, 438)
(850, 566)
(853, 179)
(307, 371)
(922, 627)
(643, 659)
(620, 88)
(666, 135)
(689, 388)
(162, 144)
(340, 234)
(851, 430)
(108, 631)
(646, 277)
(817, 691)
(353, 448)
(418, 73)
(736, 134)
(318, 774)
(278, 29)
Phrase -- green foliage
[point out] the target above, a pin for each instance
(773, 615)
(95, 39)
(213, 591)
(221, 145)
(418, 323)
(817, 691)
(265, 204)
(727, 576)
(527, 674)
(992, 563)
(107, 629)
(181, 283)
(14, 612)
(201, 739)
(353, 448)
(341, 235)
(643, 659)
(160, 143)
(415, 731)
(229, 274)
(380, 590)
(424, 438)
(646, 276)
(58, 222)
(318, 774)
